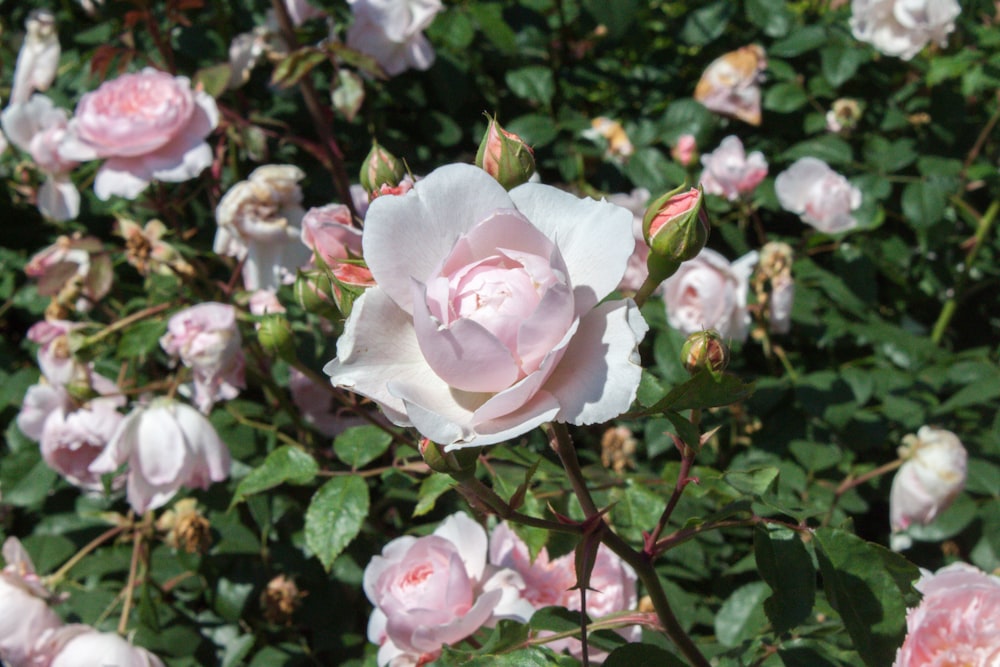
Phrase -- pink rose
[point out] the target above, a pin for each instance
(167, 445)
(730, 172)
(328, 232)
(956, 623)
(551, 583)
(208, 342)
(636, 271)
(24, 611)
(148, 125)
(435, 590)
(730, 85)
(391, 32)
(79, 645)
(819, 195)
(72, 439)
(38, 127)
(932, 475)
(485, 320)
(708, 292)
(685, 149)
(38, 59)
(902, 28)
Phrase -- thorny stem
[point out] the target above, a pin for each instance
(851, 481)
(334, 158)
(683, 479)
(951, 305)
(561, 442)
(130, 586)
(501, 508)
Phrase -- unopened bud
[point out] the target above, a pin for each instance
(314, 291)
(705, 350)
(380, 168)
(275, 336)
(504, 156)
(676, 229)
(458, 464)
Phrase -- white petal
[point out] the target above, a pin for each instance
(124, 177)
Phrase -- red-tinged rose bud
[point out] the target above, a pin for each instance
(460, 463)
(380, 168)
(275, 336)
(705, 350)
(504, 156)
(676, 229)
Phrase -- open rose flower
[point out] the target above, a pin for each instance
(819, 195)
(730, 85)
(636, 271)
(148, 126)
(167, 445)
(207, 340)
(553, 583)
(956, 623)
(436, 590)
(24, 610)
(392, 32)
(38, 59)
(730, 172)
(932, 475)
(78, 645)
(902, 28)
(485, 322)
(37, 127)
(708, 292)
(71, 440)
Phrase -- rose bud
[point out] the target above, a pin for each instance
(504, 156)
(380, 168)
(932, 475)
(685, 151)
(275, 336)
(676, 229)
(705, 349)
(459, 463)
(315, 293)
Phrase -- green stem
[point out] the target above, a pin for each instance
(502, 509)
(951, 305)
(850, 482)
(563, 445)
(56, 577)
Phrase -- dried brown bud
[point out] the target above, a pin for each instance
(280, 600)
(618, 449)
(186, 528)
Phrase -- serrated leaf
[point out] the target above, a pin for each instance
(360, 445)
(756, 481)
(868, 586)
(705, 390)
(742, 614)
(335, 516)
(286, 464)
(784, 564)
(293, 67)
(534, 83)
(430, 490)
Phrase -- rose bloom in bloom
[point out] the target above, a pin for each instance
(902, 28)
(392, 32)
(208, 342)
(708, 292)
(485, 320)
(819, 195)
(730, 172)
(932, 475)
(71, 440)
(551, 583)
(956, 623)
(24, 611)
(435, 590)
(37, 127)
(636, 271)
(78, 645)
(167, 445)
(730, 85)
(258, 222)
(147, 126)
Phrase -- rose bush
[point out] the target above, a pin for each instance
(485, 322)
(819, 195)
(147, 126)
(709, 292)
(730, 172)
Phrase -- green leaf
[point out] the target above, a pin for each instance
(785, 97)
(708, 22)
(285, 464)
(804, 39)
(924, 202)
(140, 339)
(616, 16)
(784, 564)
(532, 83)
(536, 129)
(25, 479)
(705, 390)
(632, 655)
(840, 62)
(296, 65)
(649, 168)
(868, 585)
(756, 481)
(490, 18)
(771, 16)
(505, 636)
(214, 79)
(335, 516)
(741, 616)
(360, 445)
(829, 148)
(348, 93)
(431, 489)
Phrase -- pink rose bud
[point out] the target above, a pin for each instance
(167, 445)
(932, 475)
(380, 168)
(505, 156)
(676, 229)
(705, 350)
(685, 150)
